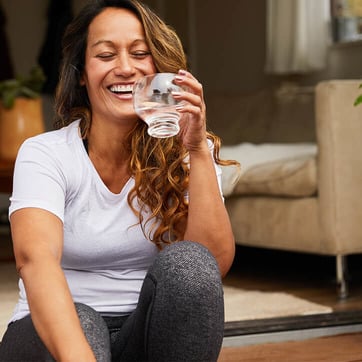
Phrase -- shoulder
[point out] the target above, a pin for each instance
(64, 136)
(53, 144)
(55, 155)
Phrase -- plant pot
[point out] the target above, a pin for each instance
(23, 120)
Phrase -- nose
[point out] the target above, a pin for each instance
(124, 65)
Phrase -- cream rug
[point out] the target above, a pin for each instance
(239, 304)
(243, 304)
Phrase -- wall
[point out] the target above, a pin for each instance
(231, 44)
(26, 30)
(225, 41)
(26, 33)
(230, 40)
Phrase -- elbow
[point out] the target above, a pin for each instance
(24, 268)
(223, 249)
(226, 258)
(21, 262)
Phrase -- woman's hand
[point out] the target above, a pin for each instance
(193, 114)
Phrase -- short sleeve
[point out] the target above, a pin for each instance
(38, 179)
(218, 169)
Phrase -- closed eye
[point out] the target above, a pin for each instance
(105, 55)
(141, 54)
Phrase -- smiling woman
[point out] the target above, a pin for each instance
(95, 228)
(116, 52)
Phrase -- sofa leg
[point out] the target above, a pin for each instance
(342, 284)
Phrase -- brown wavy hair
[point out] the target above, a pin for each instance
(158, 166)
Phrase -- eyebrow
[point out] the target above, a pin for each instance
(111, 43)
(108, 42)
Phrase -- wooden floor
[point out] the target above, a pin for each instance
(343, 348)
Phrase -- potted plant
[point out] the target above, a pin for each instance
(20, 111)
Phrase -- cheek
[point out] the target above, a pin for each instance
(95, 76)
(148, 66)
(152, 65)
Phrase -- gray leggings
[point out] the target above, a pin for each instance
(179, 317)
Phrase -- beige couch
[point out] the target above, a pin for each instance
(307, 199)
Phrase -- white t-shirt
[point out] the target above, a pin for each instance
(106, 255)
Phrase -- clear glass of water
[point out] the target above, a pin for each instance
(154, 103)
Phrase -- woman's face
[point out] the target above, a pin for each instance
(116, 56)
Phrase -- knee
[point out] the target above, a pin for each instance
(95, 330)
(89, 316)
(189, 266)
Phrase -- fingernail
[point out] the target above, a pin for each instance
(176, 94)
(179, 77)
(182, 72)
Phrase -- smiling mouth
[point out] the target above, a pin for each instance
(121, 88)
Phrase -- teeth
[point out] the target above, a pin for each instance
(121, 88)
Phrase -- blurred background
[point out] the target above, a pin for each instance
(263, 57)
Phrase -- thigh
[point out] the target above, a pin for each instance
(96, 332)
(22, 343)
(129, 340)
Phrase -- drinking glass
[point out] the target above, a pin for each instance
(154, 103)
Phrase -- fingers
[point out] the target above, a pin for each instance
(190, 109)
(186, 79)
(190, 98)
(193, 93)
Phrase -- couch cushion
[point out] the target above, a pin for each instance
(271, 169)
(290, 177)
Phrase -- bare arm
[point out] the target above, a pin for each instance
(208, 222)
(38, 241)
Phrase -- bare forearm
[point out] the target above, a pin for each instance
(208, 221)
(53, 311)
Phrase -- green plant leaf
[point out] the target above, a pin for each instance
(29, 87)
(8, 97)
(28, 93)
(358, 100)
(36, 80)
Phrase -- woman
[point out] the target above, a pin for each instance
(120, 239)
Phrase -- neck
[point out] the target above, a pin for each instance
(109, 146)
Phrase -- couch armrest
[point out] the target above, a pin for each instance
(339, 138)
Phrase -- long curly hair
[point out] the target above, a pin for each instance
(159, 166)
